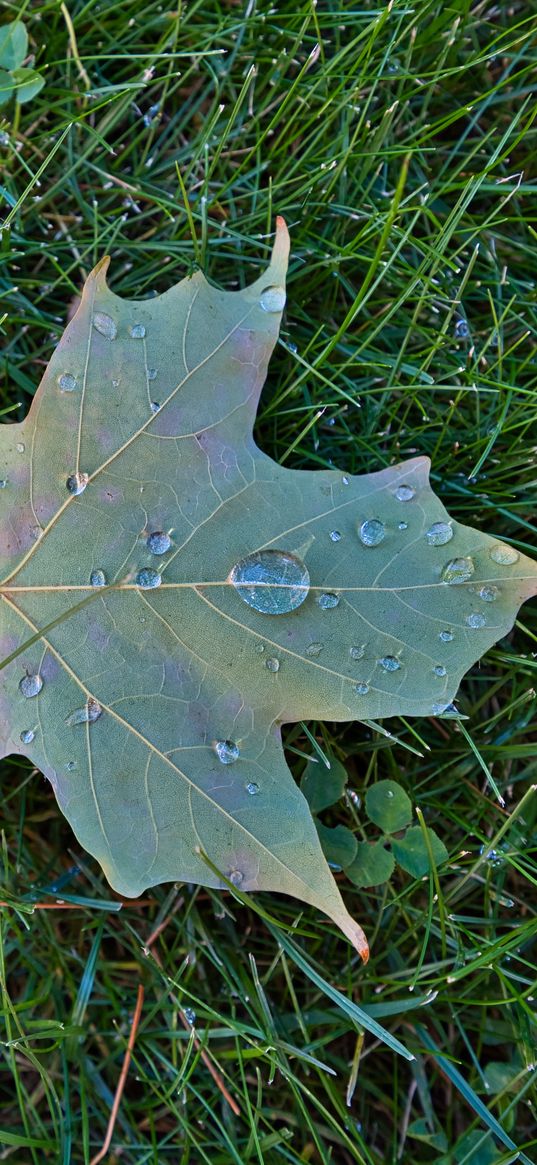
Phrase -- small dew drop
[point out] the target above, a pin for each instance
(462, 331)
(31, 685)
(344, 480)
(439, 533)
(154, 406)
(147, 578)
(71, 764)
(272, 664)
(440, 670)
(446, 636)
(271, 581)
(159, 542)
(27, 736)
(3, 483)
(272, 299)
(20, 447)
(372, 532)
(357, 651)
(137, 331)
(97, 578)
(458, 570)
(67, 382)
(475, 620)
(389, 793)
(116, 383)
(389, 663)
(236, 877)
(227, 751)
(152, 373)
(402, 526)
(104, 324)
(87, 714)
(405, 493)
(504, 555)
(314, 649)
(335, 535)
(361, 688)
(489, 594)
(190, 1015)
(252, 788)
(76, 483)
(259, 647)
(328, 600)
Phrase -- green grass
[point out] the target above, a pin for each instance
(402, 154)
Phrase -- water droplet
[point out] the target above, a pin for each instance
(361, 688)
(458, 570)
(372, 532)
(27, 736)
(154, 406)
(71, 764)
(446, 636)
(152, 373)
(504, 555)
(314, 649)
(357, 652)
(97, 578)
(259, 647)
(67, 382)
(405, 493)
(389, 793)
(3, 483)
(328, 600)
(76, 483)
(20, 447)
(116, 383)
(439, 533)
(89, 712)
(159, 542)
(31, 684)
(272, 299)
(403, 526)
(335, 535)
(272, 664)
(227, 751)
(252, 788)
(237, 877)
(389, 663)
(462, 331)
(292, 347)
(147, 578)
(104, 324)
(440, 670)
(489, 594)
(271, 581)
(137, 331)
(190, 1015)
(491, 855)
(344, 480)
(475, 620)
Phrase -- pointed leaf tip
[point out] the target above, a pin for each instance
(280, 250)
(355, 934)
(99, 271)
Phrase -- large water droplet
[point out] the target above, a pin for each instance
(227, 751)
(252, 788)
(67, 382)
(458, 570)
(328, 600)
(372, 532)
(314, 649)
(89, 712)
(236, 877)
(335, 535)
(402, 526)
(504, 555)
(405, 493)
(272, 664)
(489, 594)
(440, 670)
(159, 542)
(446, 636)
(147, 578)
(27, 736)
(137, 331)
(361, 688)
(439, 533)
(76, 483)
(389, 663)
(104, 324)
(272, 299)
(271, 581)
(31, 685)
(97, 578)
(475, 620)
(357, 651)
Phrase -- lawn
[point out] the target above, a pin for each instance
(398, 141)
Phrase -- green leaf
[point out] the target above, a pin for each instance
(419, 1129)
(339, 844)
(322, 787)
(156, 710)
(372, 865)
(6, 86)
(388, 806)
(13, 44)
(28, 84)
(412, 854)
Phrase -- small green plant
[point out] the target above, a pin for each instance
(388, 807)
(15, 81)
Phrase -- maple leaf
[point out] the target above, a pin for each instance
(171, 596)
